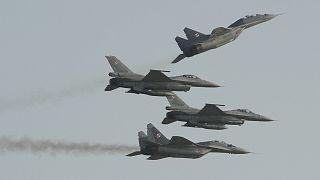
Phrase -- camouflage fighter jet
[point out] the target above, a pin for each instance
(209, 117)
(158, 146)
(155, 83)
(197, 42)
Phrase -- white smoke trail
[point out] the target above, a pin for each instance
(50, 96)
(9, 144)
(67, 92)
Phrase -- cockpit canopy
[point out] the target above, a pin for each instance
(244, 110)
(256, 15)
(190, 76)
(222, 142)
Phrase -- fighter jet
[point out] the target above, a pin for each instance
(197, 42)
(158, 146)
(155, 83)
(209, 117)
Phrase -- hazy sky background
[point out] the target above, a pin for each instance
(53, 73)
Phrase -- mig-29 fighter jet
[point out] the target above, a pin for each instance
(209, 117)
(197, 42)
(158, 146)
(155, 83)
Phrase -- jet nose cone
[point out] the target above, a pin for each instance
(275, 15)
(211, 84)
(264, 118)
(243, 151)
(246, 152)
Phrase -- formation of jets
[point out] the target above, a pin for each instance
(156, 83)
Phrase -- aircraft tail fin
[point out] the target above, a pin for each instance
(192, 34)
(143, 138)
(183, 44)
(117, 65)
(176, 103)
(156, 136)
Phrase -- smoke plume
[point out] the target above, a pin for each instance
(50, 96)
(67, 92)
(9, 144)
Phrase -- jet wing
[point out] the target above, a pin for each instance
(178, 140)
(219, 31)
(192, 34)
(156, 76)
(156, 157)
(211, 109)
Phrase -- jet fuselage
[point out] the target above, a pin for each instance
(138, 84)
(194, 117)
(214, 42)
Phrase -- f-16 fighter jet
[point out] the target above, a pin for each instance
(209, 117)
(197, 42)
(158, 146)
(155, 83)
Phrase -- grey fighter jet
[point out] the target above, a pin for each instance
(158, 146)
(209, 117)
(155, 83)
(197, 42)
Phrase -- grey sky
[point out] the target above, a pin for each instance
(51, 48)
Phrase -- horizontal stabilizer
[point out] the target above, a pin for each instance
(178, 140)
(136, 153)
(211, 109)
(110, 88)
(156, 76)
(168, 121)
